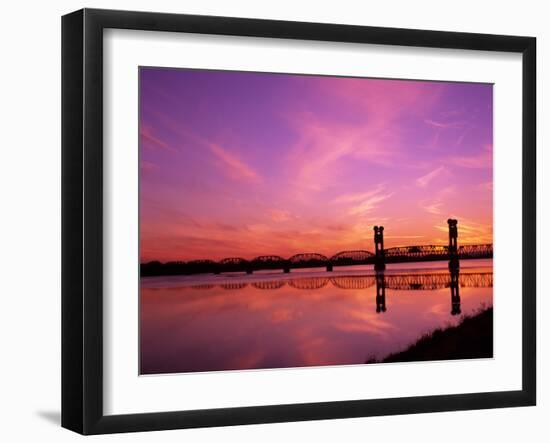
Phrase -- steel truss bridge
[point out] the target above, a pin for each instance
(314, 260)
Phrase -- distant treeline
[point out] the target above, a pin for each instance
(156, 268)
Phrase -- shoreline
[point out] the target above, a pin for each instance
(471, 338)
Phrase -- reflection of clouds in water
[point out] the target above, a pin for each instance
(367, 322)
(185, 329)
(283, 315)
(439, 309)
(250, 359)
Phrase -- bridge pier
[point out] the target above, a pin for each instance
(329, 267)
(455, 296)
(453, 244)
(380, 292)
(379, 259)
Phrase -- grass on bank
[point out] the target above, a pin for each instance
(471, 338)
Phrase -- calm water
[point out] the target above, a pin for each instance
(305, 318)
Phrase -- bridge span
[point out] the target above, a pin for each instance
(421, 253)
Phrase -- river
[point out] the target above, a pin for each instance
(306, 318)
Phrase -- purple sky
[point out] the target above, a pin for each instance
(246, 164)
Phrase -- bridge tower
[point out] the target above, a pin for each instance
(455, 296)
(380, 292)
(453, 244)
(379, 259)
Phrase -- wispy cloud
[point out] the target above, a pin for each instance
(358, 196)
(152, 141)
(435, 205)
(470, 231)
(433, 208)
(234, 167)
(229, 162)
(374, 134)
(146, 167)
(370, 203)
(467, 130)
(279, 215)
(443, 125)
(481, 160)
(360, 203)
(427, 178)
(321, 145)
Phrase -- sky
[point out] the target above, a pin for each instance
(242, 164)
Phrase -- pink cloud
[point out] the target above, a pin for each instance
(441, 198)
(443, 125)
(323, 144)
(357, 196)
(427, 178)
(384, 100)
(279, 215)
(362, 203)
(482, 160)
(433, 208)
(146, 167)
(369, 204)
(150, 140)
(234, 167)
(230, 164)
(378, 137)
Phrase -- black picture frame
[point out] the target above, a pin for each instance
(82, 218)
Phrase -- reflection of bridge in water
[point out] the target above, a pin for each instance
(451, 253)
(398, 282)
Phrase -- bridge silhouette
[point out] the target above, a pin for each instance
(421, 253)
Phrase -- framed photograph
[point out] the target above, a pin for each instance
(269, 221)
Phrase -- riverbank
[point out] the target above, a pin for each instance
(471, 338)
